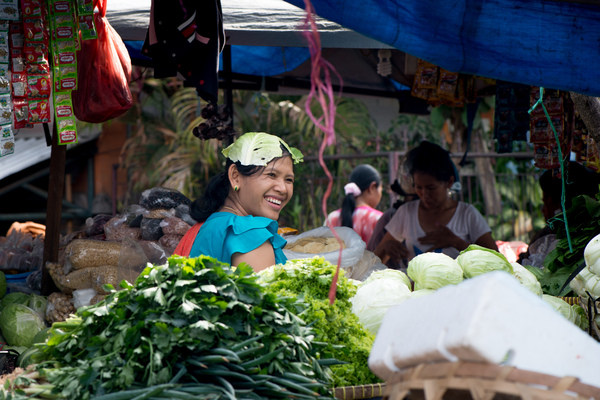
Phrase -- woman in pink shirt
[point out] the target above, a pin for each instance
(363, 194)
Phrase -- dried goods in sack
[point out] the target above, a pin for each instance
(161, 197)
(59, 307)
(86, 253)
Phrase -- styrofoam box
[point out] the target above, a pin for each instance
(490, 318)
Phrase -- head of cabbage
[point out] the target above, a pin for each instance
(374, 298)
(476, 260)
(388, 274)
(20, 324)
(574, 313)
(434, 270)
(526, 278)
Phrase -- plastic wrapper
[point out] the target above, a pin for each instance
(59, 307)
(161, 197)
(355, 246)
(82, 297)
(160, 213)
(97, 299)
(133, 259)
(183, 211)
(170, 241)
(118, 229)
(151, 229)
(79, 279)
(85, 253)
(364, 267)
(57, 273)
(95, 225)
(105, 275)
(174, 226)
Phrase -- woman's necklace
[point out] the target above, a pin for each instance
(234, 211)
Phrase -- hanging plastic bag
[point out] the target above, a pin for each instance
(103, 74)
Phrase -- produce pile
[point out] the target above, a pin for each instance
(583, 218)
(340, 331)
(431, 271)
(189, 329)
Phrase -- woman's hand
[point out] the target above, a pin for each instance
(390, 248)
(443, 237)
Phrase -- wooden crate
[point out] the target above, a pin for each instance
(482, 381)
(359, 392)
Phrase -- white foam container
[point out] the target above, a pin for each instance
(490, 318)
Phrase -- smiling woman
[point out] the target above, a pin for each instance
(237, 215)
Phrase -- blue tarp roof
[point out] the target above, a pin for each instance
(545, 43)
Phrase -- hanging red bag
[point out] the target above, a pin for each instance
(103, 74)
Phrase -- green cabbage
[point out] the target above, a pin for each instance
(476, 260)
(259, 148)
(14, 297)
(526, 278)
(421, 293)
(592, 285)
(373, 299)
(20, 324)
(391, 274)
(575, 313)
(591, 255)
(38, 304)
(434, 270)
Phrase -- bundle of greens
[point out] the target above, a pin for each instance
(335, 325)
(192, 328)
(583, 219)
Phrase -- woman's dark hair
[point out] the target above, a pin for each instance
(363, 176)
(429, 158)
(217, 189)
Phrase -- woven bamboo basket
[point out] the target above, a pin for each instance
(359, 392)
(481, 381)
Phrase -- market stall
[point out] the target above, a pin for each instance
(151, 325)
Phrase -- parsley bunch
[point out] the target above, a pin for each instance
(192, 328)
(335, 325)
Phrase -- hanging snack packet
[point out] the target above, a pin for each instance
(65, 118)
(31, 8)
(19, 84)
(39, 111)
(7, 140)
(4, 79)
(9, 10)
(20, 113)
(38, 86)
(6, 110)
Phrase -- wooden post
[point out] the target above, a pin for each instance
(56, 185)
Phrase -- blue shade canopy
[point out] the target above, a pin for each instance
(554, 44)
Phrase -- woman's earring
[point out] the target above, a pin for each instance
(236, 188)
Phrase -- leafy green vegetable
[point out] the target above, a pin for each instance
(527, 278)
(335, 325)
(476, 260)
(20, 324)
(375, 296)
(191, 326)
(259, 148)
(434, 270)
(575, 313)
(14, 297)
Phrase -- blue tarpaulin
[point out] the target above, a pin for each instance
(542, 43)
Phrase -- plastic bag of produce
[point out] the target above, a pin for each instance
(60, 306)
(105, 275)
(38, 304)
(20, 324)
(87, 253)
(151, 229)
(82, 297)
(161, 197)
(351, 254)
(117, 228)
(95, 225)
(174, 226)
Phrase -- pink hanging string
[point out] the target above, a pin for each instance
(321, 90)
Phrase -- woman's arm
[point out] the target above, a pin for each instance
(390, 248)
(486, 240)
(260, 258)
